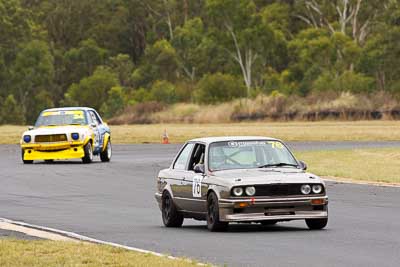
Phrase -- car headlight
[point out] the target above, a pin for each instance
(317, 189)
(237, 191)
(75, 136)
(305, 189)
(27, 138)
(250, 190)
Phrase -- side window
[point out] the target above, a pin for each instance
(93, 116)
(97, 116)
(197, 156)
(89, 118)
(180, 163)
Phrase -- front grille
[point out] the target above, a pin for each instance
(50, 138)
(279, 190)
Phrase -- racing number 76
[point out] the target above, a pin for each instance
(196, 188)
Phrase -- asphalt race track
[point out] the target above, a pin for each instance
(115, 202)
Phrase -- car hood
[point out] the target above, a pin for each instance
(58, 130)
(264, 176)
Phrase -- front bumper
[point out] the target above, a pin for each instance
(158, 196)
(281, 209)
(62, 150)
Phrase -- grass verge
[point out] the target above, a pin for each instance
(10, 134)
(372, 165)
(287, 131)
(18, 253)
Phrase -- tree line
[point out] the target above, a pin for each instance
(112, 54)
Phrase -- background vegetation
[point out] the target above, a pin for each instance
(135, 57)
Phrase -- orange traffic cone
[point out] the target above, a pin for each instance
(165, 139)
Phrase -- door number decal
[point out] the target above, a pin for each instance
(196, 186)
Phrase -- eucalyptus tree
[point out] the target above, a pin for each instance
(242, 33)
(93, 90)
(380, 55)
(159, 63)
(32, 73)
(187, 41)
(350, 17)
(82, 60)
(15, 28)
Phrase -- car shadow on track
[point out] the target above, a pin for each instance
(58, 162)
(248, 228)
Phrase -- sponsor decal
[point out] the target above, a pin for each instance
(77, 113)
(245, 143)
(274, 144)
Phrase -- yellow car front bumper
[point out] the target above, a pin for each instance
(65, 150)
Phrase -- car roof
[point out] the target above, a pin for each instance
(209, 140)
(68, 108)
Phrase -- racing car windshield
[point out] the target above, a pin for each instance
(249, 154)
(62, 117)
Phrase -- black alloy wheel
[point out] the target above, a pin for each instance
(170, 215)
(213, 222)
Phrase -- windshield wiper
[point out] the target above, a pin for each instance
(281, 164)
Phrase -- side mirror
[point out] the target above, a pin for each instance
(199, 168)
(303, 165)
(30, 128)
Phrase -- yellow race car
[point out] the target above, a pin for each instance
(67, 133)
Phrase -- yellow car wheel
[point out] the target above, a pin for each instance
(105, 156)
(88, 158)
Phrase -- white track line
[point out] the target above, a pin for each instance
(76, 236)
(56, 234)
(34, 232)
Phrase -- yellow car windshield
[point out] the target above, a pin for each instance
(61, 117)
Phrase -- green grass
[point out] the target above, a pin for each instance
(378, 165)
(10, 134)
(287, 131)
(374, 165)
(17, 253)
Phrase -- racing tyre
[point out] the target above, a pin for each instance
(88, 158)
(25, 161)
(213, 222)
(316, 224)
(105, 156)
(170, 215)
